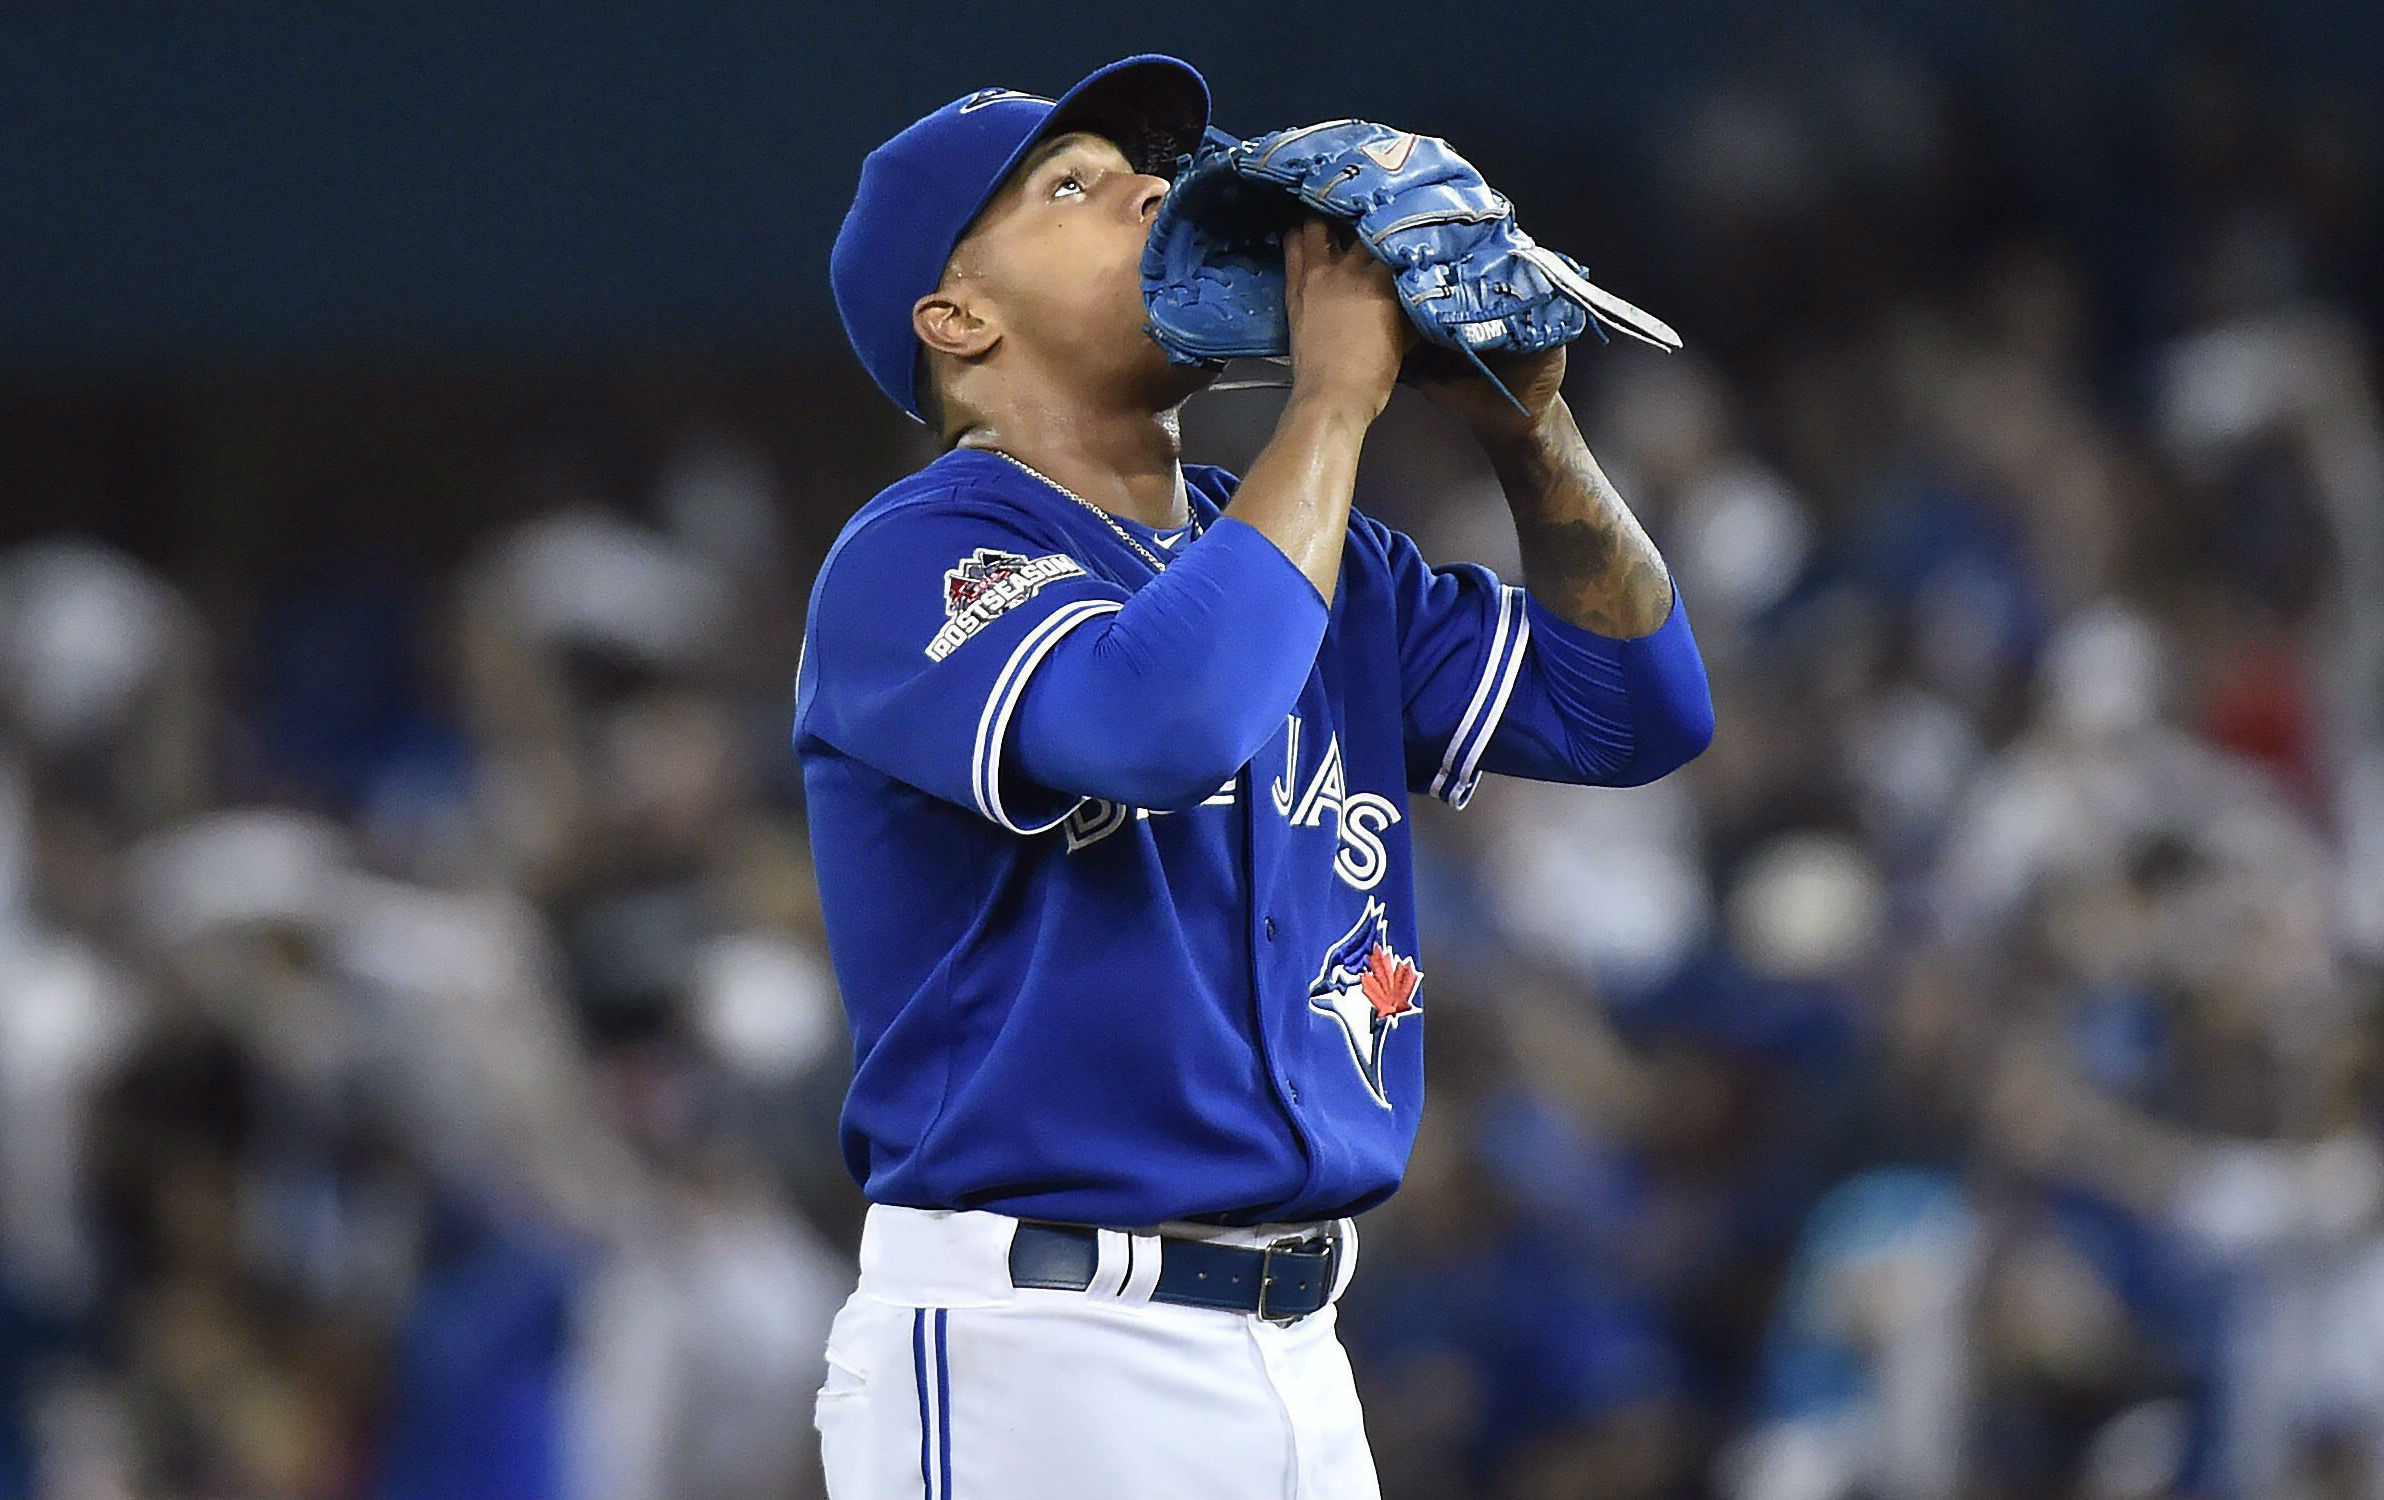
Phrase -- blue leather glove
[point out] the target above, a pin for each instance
(1470, 278)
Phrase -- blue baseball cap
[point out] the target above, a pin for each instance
(921, 190)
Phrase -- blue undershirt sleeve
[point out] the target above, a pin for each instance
(1495, 680)
(1159, 704)
(1595, 709)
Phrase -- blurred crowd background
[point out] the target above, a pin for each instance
(419, 1064)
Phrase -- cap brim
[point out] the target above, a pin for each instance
(1155, 107)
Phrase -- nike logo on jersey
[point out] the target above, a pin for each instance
(980, 587)
(1358, 817)
(1368, 987)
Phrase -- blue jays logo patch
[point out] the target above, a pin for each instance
(1369, 988)
(988, 581)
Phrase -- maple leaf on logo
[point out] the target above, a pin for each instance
(1388, 985)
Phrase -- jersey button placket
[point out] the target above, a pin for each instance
(1291, 1091)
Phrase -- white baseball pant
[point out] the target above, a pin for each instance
(945, 1382)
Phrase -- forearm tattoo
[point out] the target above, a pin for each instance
(1584, 553)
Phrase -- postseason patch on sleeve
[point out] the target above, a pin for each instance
(982, 585)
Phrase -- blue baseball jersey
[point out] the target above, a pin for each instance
(1071, 1009)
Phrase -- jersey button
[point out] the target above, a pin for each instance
(1291, 1091)
(1270, 929)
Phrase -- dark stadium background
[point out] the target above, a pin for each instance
(418, 427)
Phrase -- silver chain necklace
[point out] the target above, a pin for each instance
(1158, 565)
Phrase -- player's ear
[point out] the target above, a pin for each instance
(948, 319)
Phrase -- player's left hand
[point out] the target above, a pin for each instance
(1455, 386)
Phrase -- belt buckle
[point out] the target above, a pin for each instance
(1266, 1276)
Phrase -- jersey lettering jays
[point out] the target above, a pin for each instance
(1071, 1009)
(1359, 817)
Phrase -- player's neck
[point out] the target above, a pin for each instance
(1126, 462)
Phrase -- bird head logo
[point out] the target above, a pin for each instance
(1367, 987)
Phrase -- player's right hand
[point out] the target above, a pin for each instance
(1348, 331)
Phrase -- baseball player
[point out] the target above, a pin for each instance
(1108, 760)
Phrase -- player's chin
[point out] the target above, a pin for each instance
(1171, 383)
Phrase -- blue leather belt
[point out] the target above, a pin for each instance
(1282, 1283)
